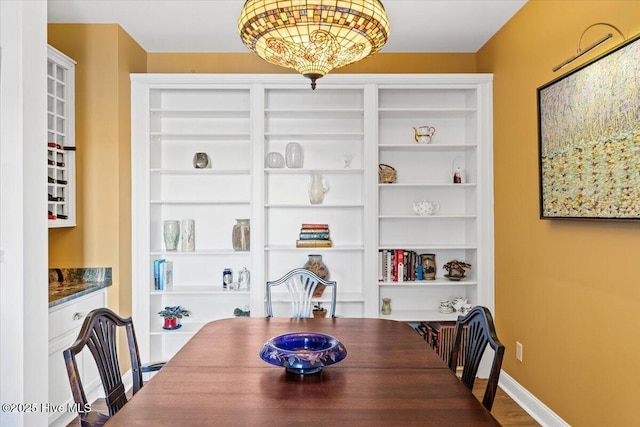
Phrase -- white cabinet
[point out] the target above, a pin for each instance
(65, 321)
(238, 120)
(61, 159)
(462, 228)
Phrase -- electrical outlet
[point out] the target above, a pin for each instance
(518, 351)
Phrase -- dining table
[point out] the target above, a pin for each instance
(389, 377)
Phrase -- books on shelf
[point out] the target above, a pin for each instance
(398, 265)
(314, 243)
(314, 236)
(162, 274)
(440, 336)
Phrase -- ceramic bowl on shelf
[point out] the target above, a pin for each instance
(303, 352)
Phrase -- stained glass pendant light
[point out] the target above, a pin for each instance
(313, 36)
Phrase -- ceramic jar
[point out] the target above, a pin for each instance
(425, 207)
(428, 262)
(274, 160)
(315, 265)
(188, 235)
(386, 306)
(294, 157)
(241, 237)
(200, 160)
(318, 187)
(171, 234)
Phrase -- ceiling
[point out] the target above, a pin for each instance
(211, 25)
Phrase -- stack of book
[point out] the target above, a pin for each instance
(314, 236)
(398, 265)
(162, 274)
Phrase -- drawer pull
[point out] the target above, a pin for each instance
(78, 316)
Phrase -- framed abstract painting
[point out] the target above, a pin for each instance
(589, 139)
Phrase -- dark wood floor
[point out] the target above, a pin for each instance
(506, 411)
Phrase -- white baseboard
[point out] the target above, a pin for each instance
(534, 407)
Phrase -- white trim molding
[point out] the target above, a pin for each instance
(531, 404)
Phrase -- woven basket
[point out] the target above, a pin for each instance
(386, 174)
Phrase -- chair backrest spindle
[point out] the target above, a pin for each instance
(480, 333)
(99, 334)
(301, 284)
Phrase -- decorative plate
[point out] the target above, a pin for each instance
(303, 352)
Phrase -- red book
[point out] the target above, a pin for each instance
(314, 226)
(398, 274)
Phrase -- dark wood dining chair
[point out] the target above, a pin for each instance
(98, 334)
(301, 284)
(480, 333)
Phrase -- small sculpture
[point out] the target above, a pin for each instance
(456, 269)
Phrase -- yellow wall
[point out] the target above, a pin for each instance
(567, 290)
(250, 63)
(105, 56)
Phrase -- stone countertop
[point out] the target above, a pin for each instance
(66, 284)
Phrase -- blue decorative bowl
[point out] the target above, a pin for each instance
(303, 352)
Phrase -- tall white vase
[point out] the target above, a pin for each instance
(294, 156)
(171, 234)
(188, 235)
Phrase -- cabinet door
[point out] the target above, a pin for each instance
(425, 170)
(64, 325)
(61, 140)
(328, 125)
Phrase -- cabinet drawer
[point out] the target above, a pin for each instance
(69, 316)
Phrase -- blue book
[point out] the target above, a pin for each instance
(156, 274)
(314, 236)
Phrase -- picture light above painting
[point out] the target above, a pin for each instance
(589, 139)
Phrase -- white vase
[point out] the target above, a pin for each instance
(241, 235)
(294, 157)
(188, 235)
(171, 234)
(318, 187)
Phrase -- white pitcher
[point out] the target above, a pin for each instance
(318, 187)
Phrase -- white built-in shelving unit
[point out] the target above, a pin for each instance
(237, 120)
(61, 145)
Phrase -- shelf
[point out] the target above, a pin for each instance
(424, 113)
(199, 290)
(337, 113)
(310, 206)
(200, 114)
(427, 184)
(340, 297)
(195, 171)
(200, 252)
(209, 137)
(189, 328)
(200, 202)
(307, 171)
(427, 246)
(426, 147)
(335, 248)
(428, 283)
(315, 137)
(427, 217)
(419, 315)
